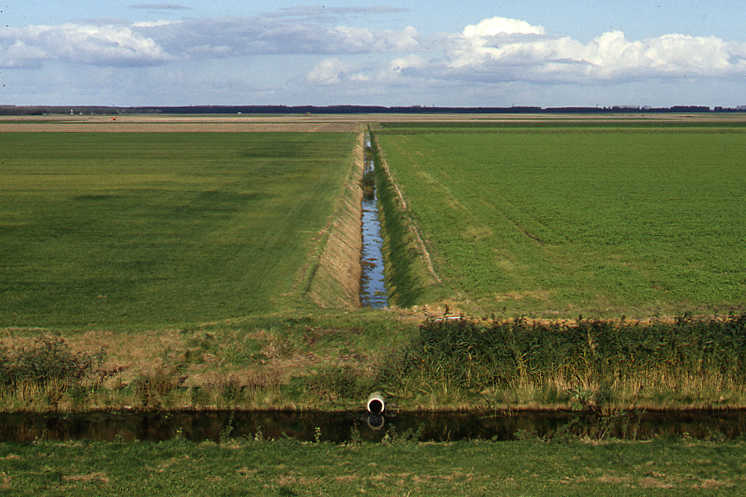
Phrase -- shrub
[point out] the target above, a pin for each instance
(48, 360)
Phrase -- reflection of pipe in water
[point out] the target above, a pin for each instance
(375, 404)
(375, 407)
(375, 422)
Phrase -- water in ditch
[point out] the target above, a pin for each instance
(372, 283)
(345, 426)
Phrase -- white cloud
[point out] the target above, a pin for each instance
(257, 36)
(500, 49)
(160, 41)
(327, 72)
(401, 64)
(89, 44)
(497, 26)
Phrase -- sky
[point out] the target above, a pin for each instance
(443, 53)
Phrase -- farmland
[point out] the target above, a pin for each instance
(558, 219)
(217, 270)
(156, 269)
(133, 230)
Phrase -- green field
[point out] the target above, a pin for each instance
(132, 230)
(555, 220)
(396, 467)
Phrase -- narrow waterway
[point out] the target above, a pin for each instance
(372, 283)
(346, 426)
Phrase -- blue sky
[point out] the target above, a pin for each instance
(582, 52)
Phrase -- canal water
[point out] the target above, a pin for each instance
(345, 426)
(373, 291)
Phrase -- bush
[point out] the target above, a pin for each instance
(48, 360)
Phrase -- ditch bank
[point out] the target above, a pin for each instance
(409, 271)
(335, 281)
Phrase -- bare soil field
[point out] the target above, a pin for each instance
(310, 123)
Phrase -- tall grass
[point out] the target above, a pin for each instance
(47, 372)
(588, 363)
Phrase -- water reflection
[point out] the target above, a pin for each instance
(376, 421)
(337, 427)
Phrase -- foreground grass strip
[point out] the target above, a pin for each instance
(133, 230)
(601, 222)
(396, 467)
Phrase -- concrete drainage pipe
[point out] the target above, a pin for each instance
(375, 404)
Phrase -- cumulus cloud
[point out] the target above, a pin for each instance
(90, 44)
(499, 49)
(327, 72)
(497, 26)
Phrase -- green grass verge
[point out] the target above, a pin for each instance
(395, 467)
(600, 222)
(144, 230)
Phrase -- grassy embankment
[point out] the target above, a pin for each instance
(553, 221)
(395, 467)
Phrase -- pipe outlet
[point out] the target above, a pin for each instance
(375, 403)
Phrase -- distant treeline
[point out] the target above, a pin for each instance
(353, 109)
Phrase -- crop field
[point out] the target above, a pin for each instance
(557, 219)
(122, 230)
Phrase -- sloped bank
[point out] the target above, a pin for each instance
(335, 281)
(410, 275)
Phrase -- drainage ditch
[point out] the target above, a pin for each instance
(342, 427)
(372, 283)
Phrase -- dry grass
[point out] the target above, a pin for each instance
(89, 478)
(336, 279)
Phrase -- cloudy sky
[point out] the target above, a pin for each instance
(448, 53)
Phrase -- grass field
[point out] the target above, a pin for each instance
(552, 220)
(131, 230)
(394, 467)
